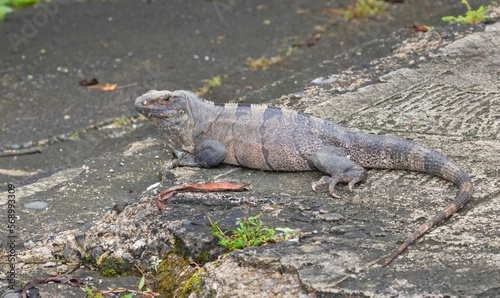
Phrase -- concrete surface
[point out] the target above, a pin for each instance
(448, 100)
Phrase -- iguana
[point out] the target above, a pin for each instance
(277, 139)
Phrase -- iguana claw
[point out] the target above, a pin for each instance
(327, 180)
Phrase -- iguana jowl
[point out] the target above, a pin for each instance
(275, 139)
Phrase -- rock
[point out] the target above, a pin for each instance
(67, 252)
(29, 244)
(11, 294)
(97, 252)
(80, 238)
(37, 205)
(49, 264)
(119, 207)
(322, 80)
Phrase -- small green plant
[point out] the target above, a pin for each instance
(363, 8)
(120, 121)
(209, 84)
(251, 232)
(92, 293)
(148, 292)
(263, 62)
(77, 133)
(471, 17)
(6, 5)
(155, 264)
(4, 9)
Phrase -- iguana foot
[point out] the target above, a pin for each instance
(327, 180)
(334, 180)
(335, 161)
(361, 177)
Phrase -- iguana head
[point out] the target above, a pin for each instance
(159, 105)
(176, 115)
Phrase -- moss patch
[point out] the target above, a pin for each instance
(111, 266)
(363, 8)
(176, 277)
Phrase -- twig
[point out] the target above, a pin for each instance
(126, 86)
(74, 269)
(148, 286)
(20, 152)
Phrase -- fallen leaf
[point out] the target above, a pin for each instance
(89, 82)
(107, 87)
(418, 28)
(217, 186)
(74, 282)
(207, 187)
(101, 257)
(312, 41)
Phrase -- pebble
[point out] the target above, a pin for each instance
(27, 145)
(97, 252)
(80, 238)
(37, 205)
(119, 207)
(140, 214)
(63, 137)
(29, 243)
(66, 252)
(49, 264)
(11, 294)
(15, 146)
(153, 186)
(323, 80)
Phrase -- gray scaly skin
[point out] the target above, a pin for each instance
(275, 139)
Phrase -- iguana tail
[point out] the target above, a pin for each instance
(433, 162)
(397, 153)
(461, 199)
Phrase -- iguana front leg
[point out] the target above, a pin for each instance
(207, 153)
(334, 161)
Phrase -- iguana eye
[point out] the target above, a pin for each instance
(166, 98)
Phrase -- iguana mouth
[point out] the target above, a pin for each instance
(155, 111)
(144, 107)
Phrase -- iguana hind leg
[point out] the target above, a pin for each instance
(335, 161)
